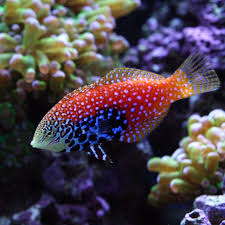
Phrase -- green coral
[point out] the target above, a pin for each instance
(48, 43)
(47, 49)
(196, 167)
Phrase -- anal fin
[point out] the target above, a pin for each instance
(98, 152)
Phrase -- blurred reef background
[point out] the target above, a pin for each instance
(50, 47)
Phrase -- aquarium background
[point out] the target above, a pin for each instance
(89, 38)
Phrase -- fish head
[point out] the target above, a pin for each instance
(47, 136)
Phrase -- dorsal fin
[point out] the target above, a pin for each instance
(127, 74)
(119, 75)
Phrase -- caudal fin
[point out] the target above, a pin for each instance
(195, 76)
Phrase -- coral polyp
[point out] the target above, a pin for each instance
(49, 47)
(46, 42)
(196, 166)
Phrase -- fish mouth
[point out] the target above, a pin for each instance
(32, 143)
(35, 143)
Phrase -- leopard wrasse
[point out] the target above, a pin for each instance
(125, 105)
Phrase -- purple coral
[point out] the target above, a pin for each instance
(166, 40)
(196, 217)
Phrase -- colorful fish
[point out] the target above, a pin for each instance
(125, 105)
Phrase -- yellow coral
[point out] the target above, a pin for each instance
(195, 166)
(41, 39)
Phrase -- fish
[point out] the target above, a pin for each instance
(124, 106)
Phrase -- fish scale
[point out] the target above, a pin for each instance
(125, 105)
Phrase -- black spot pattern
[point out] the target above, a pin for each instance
(108, 124)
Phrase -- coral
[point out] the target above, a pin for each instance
(64, 190)
(196, 217)
(118, 7)
(197, 166)
(195, 25)
(47, 49)
(47, 43)
(209, 209)
(213, 206)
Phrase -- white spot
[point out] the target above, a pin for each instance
(129, 99)
(154, 98)
(139, 97)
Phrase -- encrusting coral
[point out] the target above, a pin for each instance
(196, 167)
(49, 43)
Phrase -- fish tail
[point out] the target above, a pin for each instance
(195, 76)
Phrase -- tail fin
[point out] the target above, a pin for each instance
(195, 76)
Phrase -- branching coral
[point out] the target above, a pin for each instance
(47, 43)
(194, 25)
(197, 166)
(48, 48)
(118, 7)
